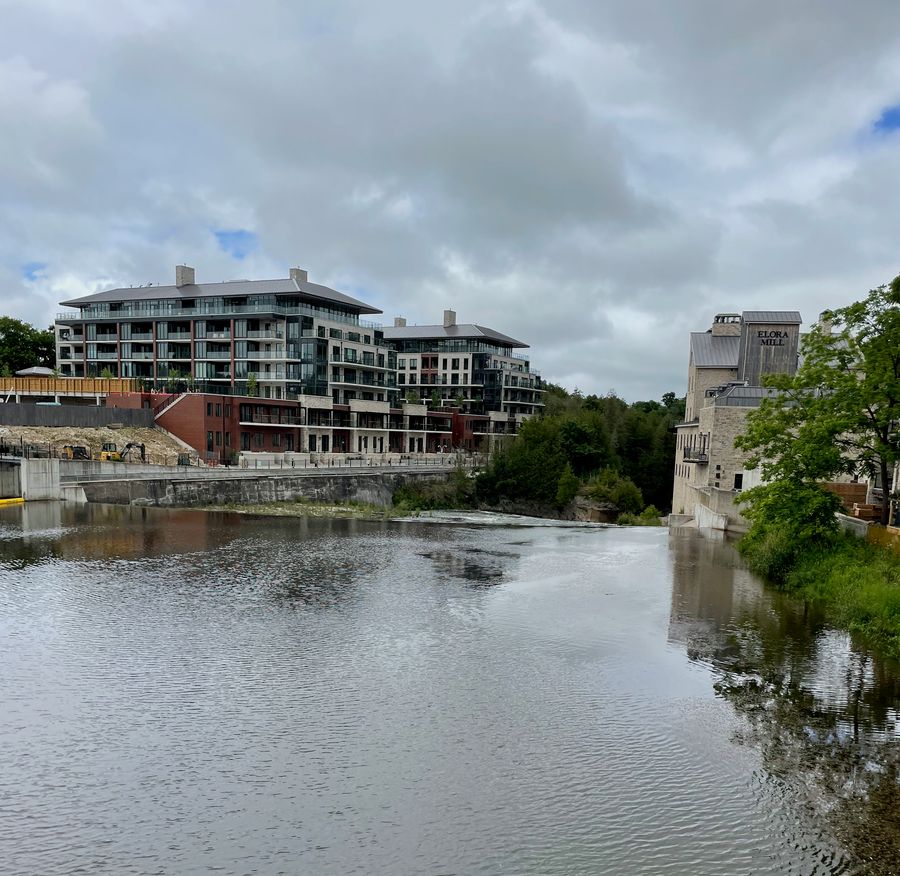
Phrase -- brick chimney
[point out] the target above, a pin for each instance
(298, 275)
(184, 276)
(399, 322)
(449, 318)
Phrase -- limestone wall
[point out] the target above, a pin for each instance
(354, 486)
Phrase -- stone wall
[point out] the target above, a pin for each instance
(351, 486)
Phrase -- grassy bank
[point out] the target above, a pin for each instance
(856, 584)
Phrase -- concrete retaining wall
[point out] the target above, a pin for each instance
(77, 416)
(39, 479)
(10, 486)
(373, 488)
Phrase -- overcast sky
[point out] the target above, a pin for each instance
(595, 178)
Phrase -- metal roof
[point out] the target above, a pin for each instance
(230, 289)
(441, 332)
(714, 351)
(744, 396)
(776, 316)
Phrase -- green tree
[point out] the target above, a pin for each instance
(435, 398)
(838, 413)
(612, 487)
(568, 486)
(22, 345)
(413, 398)
(252, 386)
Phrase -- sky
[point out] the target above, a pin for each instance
(595, 178)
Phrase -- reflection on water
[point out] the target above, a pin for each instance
(185, 692)
(823, 713)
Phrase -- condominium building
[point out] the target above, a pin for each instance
(314, 375)
(471, 367)
(289, 336)
(726, 367)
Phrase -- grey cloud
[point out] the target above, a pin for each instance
(597, 179)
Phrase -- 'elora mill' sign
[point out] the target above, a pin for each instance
(771, 338)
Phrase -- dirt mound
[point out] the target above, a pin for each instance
(160, 447)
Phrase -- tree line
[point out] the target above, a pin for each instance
(22, 345)
(599, 446)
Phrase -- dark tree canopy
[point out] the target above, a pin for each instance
(23, 346)
(600, 441)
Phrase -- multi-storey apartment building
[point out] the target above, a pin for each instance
(316, 377)
(290, 336)
(725, 371)
(471, 367)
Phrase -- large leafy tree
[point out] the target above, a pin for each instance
(838, 413)
(22, 345)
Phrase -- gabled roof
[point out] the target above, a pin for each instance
(776, 316)
(714, 351)
(229, 289)
(441, 332)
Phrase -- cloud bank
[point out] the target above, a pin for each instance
(596, 179)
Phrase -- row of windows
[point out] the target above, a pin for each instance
(454, 364)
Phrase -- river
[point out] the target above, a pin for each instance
(186, 692)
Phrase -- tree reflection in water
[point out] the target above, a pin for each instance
(821, 709)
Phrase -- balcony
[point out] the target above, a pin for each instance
(264, 334)
(699, 455)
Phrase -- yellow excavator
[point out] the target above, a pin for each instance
(74, 451)
(110, 452)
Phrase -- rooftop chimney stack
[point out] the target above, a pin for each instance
(184, 276)
(825, 322)
(449, 318)
(298, 275)
(399, 322)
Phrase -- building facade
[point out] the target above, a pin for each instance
(726, 367)
(289, 337)
(286, 365)
(470, 367)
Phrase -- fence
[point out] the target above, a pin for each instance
(65, 385)
(78, 416)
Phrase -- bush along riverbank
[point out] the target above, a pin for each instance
(854, 583)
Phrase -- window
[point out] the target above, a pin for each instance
(209, 409)
(454, 378)
(413, 364)
(245, 440)
(209, 442)
(401, 379)
(739, 481)
(276, 440)
(258, 439)
(218, 410)
(401, 363)
(444, 366)
(454, 365)
(336, 354)
(218, 439)
(228, 439)
(227, 410)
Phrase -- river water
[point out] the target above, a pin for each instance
(184, 692)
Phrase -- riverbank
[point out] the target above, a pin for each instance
(301, 507)
(855, 583)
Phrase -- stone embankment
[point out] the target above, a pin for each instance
(249, 488)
